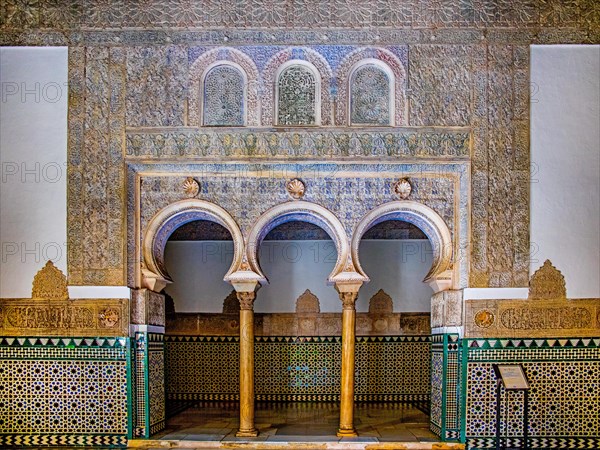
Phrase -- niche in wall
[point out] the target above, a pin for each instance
(296, 256)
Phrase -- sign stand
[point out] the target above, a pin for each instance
(513, 377)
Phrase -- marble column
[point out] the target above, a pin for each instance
(348, 298)
(247, 428)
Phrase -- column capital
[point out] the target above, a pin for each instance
(348, 299)
(246, 300)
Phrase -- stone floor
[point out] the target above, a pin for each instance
(289, 423)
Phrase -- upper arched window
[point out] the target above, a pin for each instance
(298, 93)
(224, 96)
(371, 94)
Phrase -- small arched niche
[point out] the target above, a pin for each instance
(166, 221)
(440, 275)
(214, 88)
(297, 94)
(371, 91)
(296, 256)
(397, 256)
(300, 211)
(223, 95)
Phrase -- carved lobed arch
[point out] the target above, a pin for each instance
(269, 81)
(368, 55)
(422, 216)
(303, 211)
(232, 57)
(177, 214)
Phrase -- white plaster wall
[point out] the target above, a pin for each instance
(198, 267)
(33, 154)
(397, 267)
(565, 156)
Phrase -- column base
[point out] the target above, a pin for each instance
(347, 433)
(247, 433)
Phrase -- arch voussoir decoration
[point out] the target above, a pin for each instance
(440, 275)
(171, 217)
(302, 211)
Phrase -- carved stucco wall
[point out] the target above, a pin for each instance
(467, 65)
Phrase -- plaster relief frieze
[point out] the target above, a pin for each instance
(233, 187)
(532, 318)
(159, 15)
(157, 86)
(96, 177)
(189, 143)
(546, 318)
(298, 324)
(415, 323)
(89, 317)
(441, 84)
(48, 317)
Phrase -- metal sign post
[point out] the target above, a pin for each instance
(513, 378)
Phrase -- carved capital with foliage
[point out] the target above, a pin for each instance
(348, 299)
(246, 300)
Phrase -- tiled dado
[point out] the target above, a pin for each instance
(388, 368)
(445, 383)
(148, 415)
(564, 396)
(63, 391)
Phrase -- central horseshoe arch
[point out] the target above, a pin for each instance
(302, 211)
